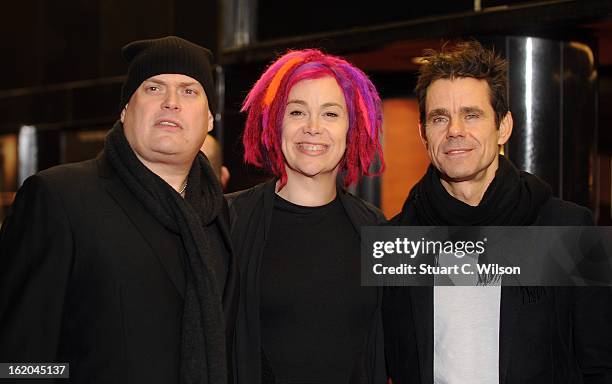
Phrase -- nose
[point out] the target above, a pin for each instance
(456, 128)
(312, 125)
(171, 101)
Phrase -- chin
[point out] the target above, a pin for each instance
(165, 149)
(309, 172)
(458, 174)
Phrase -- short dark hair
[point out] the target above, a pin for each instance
(465, 59)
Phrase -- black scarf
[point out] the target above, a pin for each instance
(513, 198)
(202, 334)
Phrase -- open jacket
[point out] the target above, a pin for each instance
(89, 277)
(250, 218)
(547, 334)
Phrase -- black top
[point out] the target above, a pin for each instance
(251, 214)
(315, 316)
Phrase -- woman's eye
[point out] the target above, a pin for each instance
(153, 88)
(190, 91)
(296, 113)
(331, 114)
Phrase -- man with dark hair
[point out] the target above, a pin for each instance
(487, 334)
(121, 265)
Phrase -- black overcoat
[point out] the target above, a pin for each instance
(89, 277)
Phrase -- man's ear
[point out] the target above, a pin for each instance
(505, 129)
(211, 121)
(123, 113)
(422, 134)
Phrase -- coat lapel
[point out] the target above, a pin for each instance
(152, 232)
(511, 300)
(232, 281)
(268, 202)
(421, 299)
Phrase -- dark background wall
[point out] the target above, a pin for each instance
(65, 64)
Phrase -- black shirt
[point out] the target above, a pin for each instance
(315, 316)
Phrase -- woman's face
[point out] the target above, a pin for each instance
(315, 125)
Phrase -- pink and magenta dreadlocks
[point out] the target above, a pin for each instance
(267, 100)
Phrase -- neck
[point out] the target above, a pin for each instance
(309, 191)
(471, 191)
(174, 175)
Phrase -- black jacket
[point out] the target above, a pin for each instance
(89, 277)
(250, 218)
(564, 336)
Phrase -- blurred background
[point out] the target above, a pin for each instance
(60, 81)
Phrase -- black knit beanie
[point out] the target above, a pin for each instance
(169, 54)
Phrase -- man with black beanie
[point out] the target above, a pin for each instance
(121, 265)
(487, 334)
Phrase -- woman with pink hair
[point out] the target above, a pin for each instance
(303, 315)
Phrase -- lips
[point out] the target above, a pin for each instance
(457, 151)
(168, 123)
(312, 148)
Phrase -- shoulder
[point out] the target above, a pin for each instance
(50, 196)
(245, 197)
(63, 179)
(560, 212)
(68, 173)
(407, 215)
(242, 205)
(366, 211)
